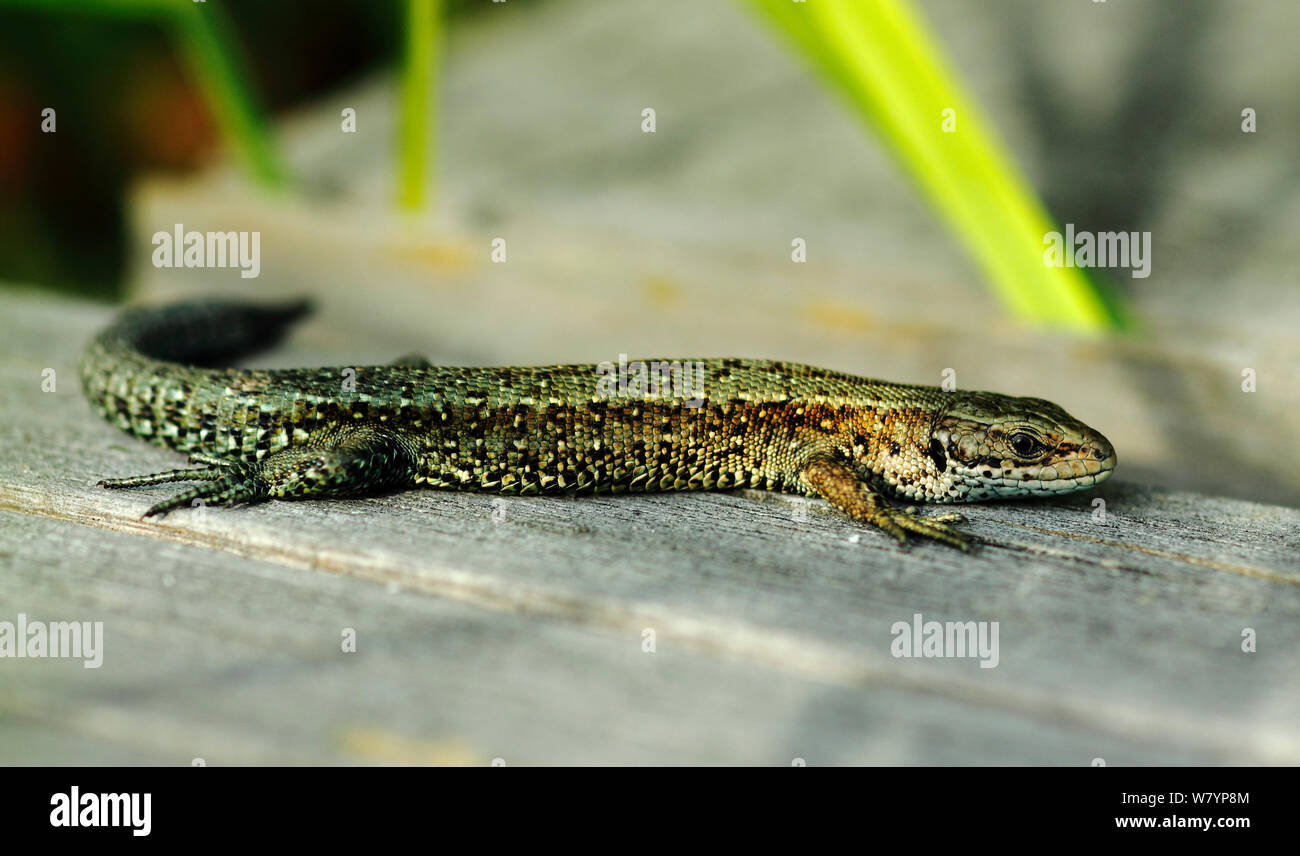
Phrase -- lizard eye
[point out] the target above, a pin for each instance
(1024, 444)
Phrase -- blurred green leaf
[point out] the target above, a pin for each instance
(880, 54)
(213, 49)
(418, 129)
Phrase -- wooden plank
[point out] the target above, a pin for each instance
(503, 627)
(238, 661)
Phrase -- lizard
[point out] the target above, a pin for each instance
(160, 374)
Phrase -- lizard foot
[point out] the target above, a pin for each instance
(839, 485)
(224, 483)
(355, 460)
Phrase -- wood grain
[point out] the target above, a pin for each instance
(512, 628)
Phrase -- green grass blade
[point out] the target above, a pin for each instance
(880, 55)
(419, 108)
(212, 49)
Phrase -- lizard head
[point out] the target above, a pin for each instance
(987, 446)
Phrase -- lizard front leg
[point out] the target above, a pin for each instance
(836, 482)
(350, 461)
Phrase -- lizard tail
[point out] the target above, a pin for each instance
(202, 333)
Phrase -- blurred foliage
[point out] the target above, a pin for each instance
(149, 85)
(418, 122)
(127, 102)
(880, 54)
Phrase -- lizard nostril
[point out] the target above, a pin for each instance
(1099, 454)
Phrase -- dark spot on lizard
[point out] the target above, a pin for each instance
(937, 455)
(894, 449)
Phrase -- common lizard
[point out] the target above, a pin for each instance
(304, 433)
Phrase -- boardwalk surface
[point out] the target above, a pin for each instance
(516, 628)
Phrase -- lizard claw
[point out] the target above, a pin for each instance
(937, 526)
(944, 517)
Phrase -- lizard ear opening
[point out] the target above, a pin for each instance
(937, 455)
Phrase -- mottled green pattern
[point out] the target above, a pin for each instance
(746, 423)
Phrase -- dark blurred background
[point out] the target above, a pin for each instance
(125, 81)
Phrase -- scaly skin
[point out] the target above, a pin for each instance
(303, 433)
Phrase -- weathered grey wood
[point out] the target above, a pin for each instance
(501, 627)
(238, 661)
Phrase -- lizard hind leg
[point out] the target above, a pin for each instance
(358, 459)
(837, 483)
(223, 484)
(348, 462)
